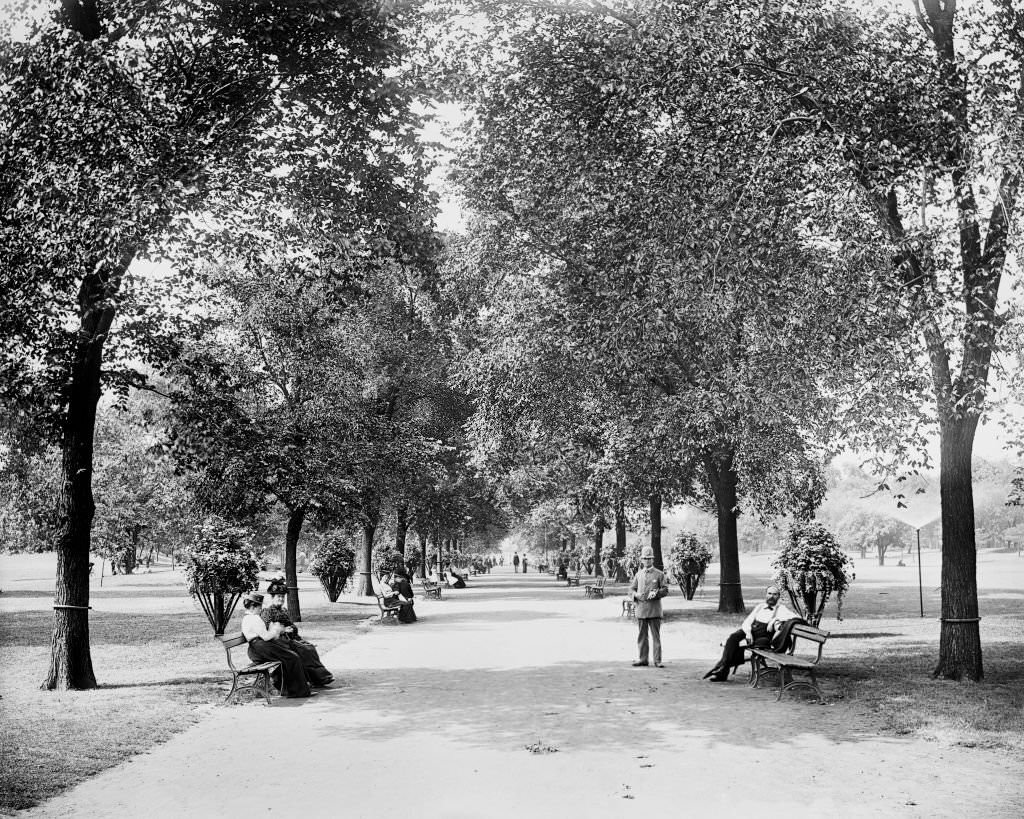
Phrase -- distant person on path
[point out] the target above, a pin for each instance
(515, 563)
(524, 564)
(265, 645)
(276, 612)
(648, 587)
(758, 630)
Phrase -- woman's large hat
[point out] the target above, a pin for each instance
(253, 597)
(277, 586)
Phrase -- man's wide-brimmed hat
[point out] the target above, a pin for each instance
(648, 551)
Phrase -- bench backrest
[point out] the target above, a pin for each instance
(230, 642)
(812, 634)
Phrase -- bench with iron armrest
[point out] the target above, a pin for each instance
(595, 589)
(431, 588)
(574, 580)
(254, 677)
(765, 661)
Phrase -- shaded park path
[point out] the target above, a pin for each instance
(438, 719)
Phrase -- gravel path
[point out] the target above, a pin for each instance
(516, 698)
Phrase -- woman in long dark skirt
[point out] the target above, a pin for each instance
(265, 645)
(400, 584)
(277, 613)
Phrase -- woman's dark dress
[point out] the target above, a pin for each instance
(406, 614)
(315, 671)
(291, 679)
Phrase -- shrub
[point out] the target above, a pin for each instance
(220, 566)
(333, 563)
(811, 567)
(688, 561)
(388, 560)
(630, 561)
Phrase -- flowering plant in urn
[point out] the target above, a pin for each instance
(811, 568)
(220, 566)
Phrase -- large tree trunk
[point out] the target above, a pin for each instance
(656, 531)
(401, 527)
(959, 636)
(296, 517)
(364, 586)
(423, 554)
(723, 480)
(70, 657)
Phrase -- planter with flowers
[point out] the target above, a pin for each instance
(220, 566)
(811, 568)
(688, 561)
(332, 564)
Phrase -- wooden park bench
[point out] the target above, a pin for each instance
(386, 609)
(430, 588)
(253, 677)
(595, 589)
(763, 661)
(574, 580)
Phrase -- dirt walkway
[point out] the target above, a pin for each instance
(515, 698)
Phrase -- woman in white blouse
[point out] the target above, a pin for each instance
(264, 646)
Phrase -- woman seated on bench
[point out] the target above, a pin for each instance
(265, 645)
(396, 588)
(458, 580)
(277, 613)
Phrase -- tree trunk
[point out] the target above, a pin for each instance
(723, 480)
(401, 527)
(364, 586)
(423, 554)
(656, 531)
(296, 517)
(881, 553)
(959, 636)
(70, 657)
(599, 525)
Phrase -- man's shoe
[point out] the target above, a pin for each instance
(638, 663)
(659, 665)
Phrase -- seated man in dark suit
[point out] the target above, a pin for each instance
(757, 630)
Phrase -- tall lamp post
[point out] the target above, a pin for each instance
(920, 583)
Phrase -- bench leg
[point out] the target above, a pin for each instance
(263, 686)
(233, 691)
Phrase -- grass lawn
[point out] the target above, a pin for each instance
(155, 658)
